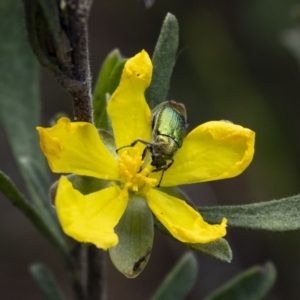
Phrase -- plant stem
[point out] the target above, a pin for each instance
(77, 31)
(95, 276)
(76, 272)
(58, 34)
(91, 258)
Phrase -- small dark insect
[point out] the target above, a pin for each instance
(169, 123)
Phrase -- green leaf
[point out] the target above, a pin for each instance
(219, 249)
(101, 89)
(275, 215)
(163, 61)
(19, 97)
(20, 107)
(135, 232)
(17, 199)
(46, 282)
(179, 281)
(46, 35)
(116, 76)
(109, 141)
(39, 189)
(84, 184)
(252, 284)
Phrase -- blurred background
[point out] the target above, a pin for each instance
(232, 64)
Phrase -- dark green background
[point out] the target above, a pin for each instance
(231, 65)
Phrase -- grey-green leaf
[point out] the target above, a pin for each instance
(179, 281)
(84, 184)
(101, 88)
(19, 97)
(39, 189)
(46, 35)
(135, 232)
(219, 249)
(17, 199)
(275, 215)
(253, 284)
(46, 282)
(163, 61)
(116, 76)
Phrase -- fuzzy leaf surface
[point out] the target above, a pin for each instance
(275, 215)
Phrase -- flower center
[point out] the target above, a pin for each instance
(134, 178)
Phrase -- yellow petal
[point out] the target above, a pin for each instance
(75, 147)
(214, 150)
(89, 218)
(127, 108)
(182, 221)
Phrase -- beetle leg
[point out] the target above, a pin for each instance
(133, 144)
(141, 141)
(170, 164)
(148, 147)
(163, 169)
(161, 177)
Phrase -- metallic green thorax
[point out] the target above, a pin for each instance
(169, 124)
(169, 119)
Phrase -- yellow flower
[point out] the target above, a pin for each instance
(212, 151)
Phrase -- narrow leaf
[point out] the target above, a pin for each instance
(39, 188)
(46, 282)
(219, 249)
(253, 284)
(275, 215)
(45, 34)
(19, 97)
(163, 60)
(51, 10)
(101, 88)
(116, 76)
(17, 199)
(179, 281)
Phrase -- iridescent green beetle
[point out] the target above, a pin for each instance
(169, 123)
